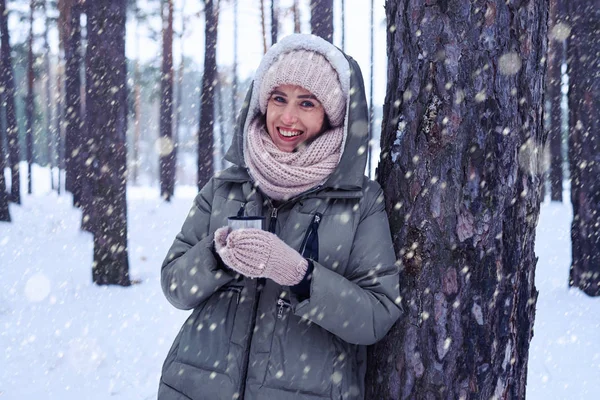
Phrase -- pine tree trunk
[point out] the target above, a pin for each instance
(106, 114)
(137, 104)
(74, 159)
(584, 144)
(554, 96)
(207, 97)
(12, 128)
(263, 24)
(296, 12)
(49, 104)
(167, 146)
(4, 211)
(460, 168)
(29, 100)
(234, 83)
(321, 18)
(274, 23)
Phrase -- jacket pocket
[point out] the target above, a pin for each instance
(206, 335)
(302, 354)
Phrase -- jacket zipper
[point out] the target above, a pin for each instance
(272, 227)
(314, 226)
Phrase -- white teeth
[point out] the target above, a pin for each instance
(289, 133)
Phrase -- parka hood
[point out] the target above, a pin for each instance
(349, 173)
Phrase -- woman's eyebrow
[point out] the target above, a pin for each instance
(307, 96)
(277, 92)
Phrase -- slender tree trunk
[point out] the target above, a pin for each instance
(58, 124)
(296, 12)
(460, 168)
(49, 105)
(30, 99)
(554, 93)
(584, 144)
(344, 24)
(371, 81)
(180, 78)
(12, 128)
(207, 97)
(274, 23)
(234, 84)
(263, 24)
(106, 114)
(74, 156)
(167, 147)
(321, 18)
(4, 211)
(221, 115)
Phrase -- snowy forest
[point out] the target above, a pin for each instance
(482, 134)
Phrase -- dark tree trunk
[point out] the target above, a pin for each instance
(274, 23)
(584, 144)
(371, 106)
(207, 97)
(4, 211)
(167, 145)
(58, 126)
(30, 99)
(12, 128)
(263, 24)
(554, 96)
(234, 83)
(106, 114)
(49, 105)
(74, 159)
(460, 168)
(321, 19)
(296, 12)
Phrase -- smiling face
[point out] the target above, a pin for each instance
(294, 116)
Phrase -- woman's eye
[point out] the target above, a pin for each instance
(308, 104)
(278, 99)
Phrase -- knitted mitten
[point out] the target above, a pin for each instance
(259, 254)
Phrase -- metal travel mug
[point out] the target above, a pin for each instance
(246, 222)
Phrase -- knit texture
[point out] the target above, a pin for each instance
(281, 175)
(260, 254)
(311, 71)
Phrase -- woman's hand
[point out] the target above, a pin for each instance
(259, 254)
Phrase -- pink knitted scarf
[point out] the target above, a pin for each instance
(282, 175)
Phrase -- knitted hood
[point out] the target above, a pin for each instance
(350, 171)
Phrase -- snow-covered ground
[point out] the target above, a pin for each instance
(62, 337)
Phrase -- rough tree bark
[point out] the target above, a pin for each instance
(73, 155)
(8, 83)
(4, 211)
(274, 23)
(554, 95)
(207, 97)
(321, 19)
(167, 145)
(106, 114)
(460, 166)
(584, 144)
(29, 99)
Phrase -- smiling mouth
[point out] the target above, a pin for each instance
(289, 133)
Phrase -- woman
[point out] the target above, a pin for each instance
(326, 282)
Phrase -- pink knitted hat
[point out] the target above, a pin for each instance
(311, 71)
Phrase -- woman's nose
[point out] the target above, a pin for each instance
(289, 115)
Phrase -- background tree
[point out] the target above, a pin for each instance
(8, 83)
(30, 99)
(207, 97)
(554, 96)
(461, 135)
(106, 114)
(4, 211)
(70, 34)
(274, 22)
(167, 145)
(321, 18)
(584, 144)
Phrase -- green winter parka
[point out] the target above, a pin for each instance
(253, 339)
